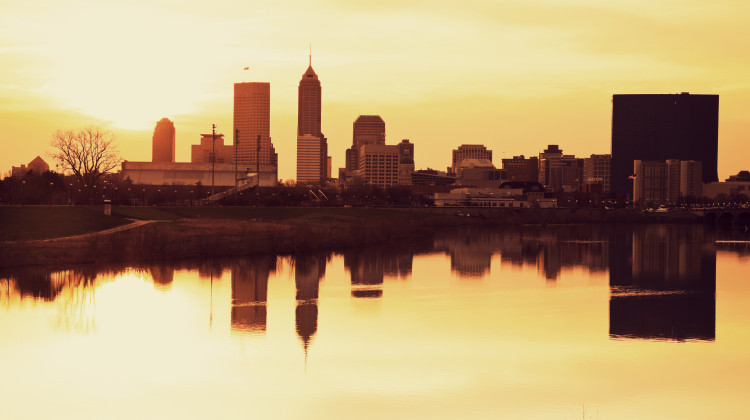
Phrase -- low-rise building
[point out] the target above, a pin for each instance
(514, 194)
(188, 173)
(479, 173)
(432, 177)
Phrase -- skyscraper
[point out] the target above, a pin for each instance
(312, 146)
(367, 129)
(661, 127)
(163, 146)
(252, 117)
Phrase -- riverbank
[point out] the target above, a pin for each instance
(206, 232)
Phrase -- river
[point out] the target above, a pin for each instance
(588, 321)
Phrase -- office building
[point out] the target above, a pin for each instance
(673, 181)
(684, 180)
(162, 143)
(660, 127)
(521, 169)
(367, 129)
(650, 183)
(597, 169)
(469, 151)
(252, 117)
(405, 162)
(691, 179)
(379, 164)
(312, 146)
(558, 171)
(478, 173)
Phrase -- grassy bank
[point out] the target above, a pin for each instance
(204, 232)
(23, 223)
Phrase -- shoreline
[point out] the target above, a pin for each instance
(231, 232)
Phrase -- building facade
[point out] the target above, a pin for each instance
(379, 164)
(469, 151)
(521, 169)
(211, 146)
(558, 171)
(312, 146)
(672, 181)
(163, 141)
(252, 117)
(367, 129)
(650, 183)
(405, 162)
(597, 169)
(188, 173)
(660, 127)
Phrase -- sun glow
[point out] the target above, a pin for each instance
(131, 70)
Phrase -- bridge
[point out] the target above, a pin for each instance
(730, 217)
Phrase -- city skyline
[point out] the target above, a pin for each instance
(514, 78)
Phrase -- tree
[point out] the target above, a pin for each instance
(88, 152)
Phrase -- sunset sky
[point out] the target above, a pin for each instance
(513, 75)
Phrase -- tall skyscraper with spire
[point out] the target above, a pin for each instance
(252, 117)
(312, 146)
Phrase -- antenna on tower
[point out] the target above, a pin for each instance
(310, 56)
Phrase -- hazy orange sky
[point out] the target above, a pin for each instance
(513, 75)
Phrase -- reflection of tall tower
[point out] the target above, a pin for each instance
(162, 147)
(252, 117)
(250, 293)
(312, 146)
(309, 269)
(670, 292)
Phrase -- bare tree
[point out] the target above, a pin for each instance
(88, 152)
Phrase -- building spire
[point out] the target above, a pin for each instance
(310, 56)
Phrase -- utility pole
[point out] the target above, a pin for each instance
(213, 156)
(236, 146)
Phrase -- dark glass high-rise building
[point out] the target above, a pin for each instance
(662, 127)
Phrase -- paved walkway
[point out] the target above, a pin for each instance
(135, 223)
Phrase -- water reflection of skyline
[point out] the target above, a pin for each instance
(250, 293)
(667, 289)
(662, 278)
